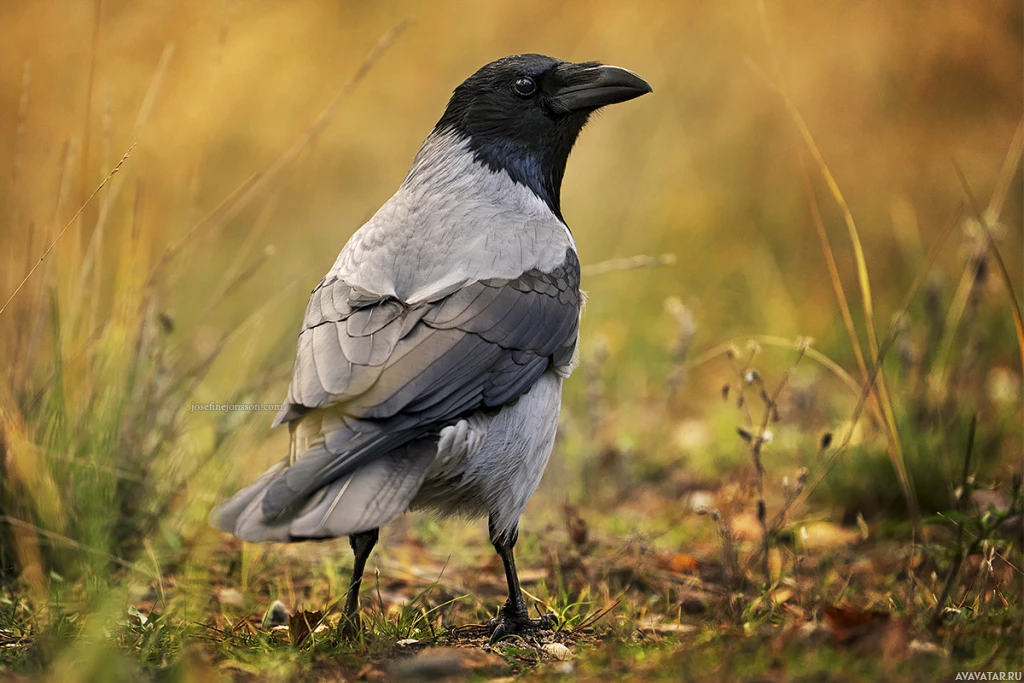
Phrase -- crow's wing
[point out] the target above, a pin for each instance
(376, 373)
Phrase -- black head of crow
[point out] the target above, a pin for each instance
(522, 114)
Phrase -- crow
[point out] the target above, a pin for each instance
(429, 366)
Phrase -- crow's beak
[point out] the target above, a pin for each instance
(590, 86)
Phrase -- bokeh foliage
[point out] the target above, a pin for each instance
(180, 282)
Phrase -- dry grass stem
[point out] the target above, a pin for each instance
(71, 222)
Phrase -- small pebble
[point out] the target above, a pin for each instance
(558, 651)
(277, 615)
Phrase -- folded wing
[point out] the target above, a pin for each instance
(372, 375)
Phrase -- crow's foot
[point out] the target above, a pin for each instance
(350, 626)
(514, 620)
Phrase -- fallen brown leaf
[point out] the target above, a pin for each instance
(872, 632)
(849, 624)
(301, 624)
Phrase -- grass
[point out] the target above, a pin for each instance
(722, 504)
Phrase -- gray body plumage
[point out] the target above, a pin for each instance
(452, 221)
(496, 466)
(429, 366)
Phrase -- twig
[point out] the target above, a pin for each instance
(252, 185)
(882, 351)
(779, 342)
(837, 286)
(1006, 174)
(878, 384)
(66, 227)
(961, 507)
(631, 263)
(756, 447)
(597, 615)
(730, 568)
(71, 543)
(993, 249)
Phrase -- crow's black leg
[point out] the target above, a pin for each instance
(514, 617)
(362, 544)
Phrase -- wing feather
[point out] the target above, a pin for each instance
(400, 372)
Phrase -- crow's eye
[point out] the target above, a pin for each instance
(524, 86)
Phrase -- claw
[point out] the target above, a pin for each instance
(499, 633)
(512, 622)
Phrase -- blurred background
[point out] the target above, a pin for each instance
(184, 278)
